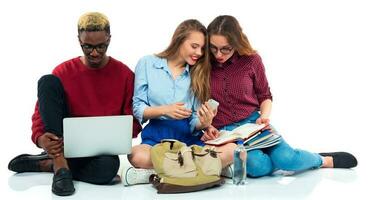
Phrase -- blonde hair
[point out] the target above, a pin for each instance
(199, 72)
(229, 27)
(93, 21)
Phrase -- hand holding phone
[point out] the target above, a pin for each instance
(213, 104)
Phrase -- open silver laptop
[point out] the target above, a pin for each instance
(93, 136)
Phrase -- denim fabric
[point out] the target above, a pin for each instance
(155, 86)
(262, 162)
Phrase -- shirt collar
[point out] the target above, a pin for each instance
(230, 61)
(186, 70)
(161, 63)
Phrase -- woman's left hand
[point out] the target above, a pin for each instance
(206, 115)
(265, 121)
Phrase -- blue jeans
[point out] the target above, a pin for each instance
(263, 162)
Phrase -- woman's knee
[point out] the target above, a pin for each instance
(226, 153)
(258, 165)
(140, 158)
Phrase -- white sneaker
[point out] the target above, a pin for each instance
(228, 171)
(132, 176)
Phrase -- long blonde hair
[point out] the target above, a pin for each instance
(230, 28)
(199, 72)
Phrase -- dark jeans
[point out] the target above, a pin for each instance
(53, 109)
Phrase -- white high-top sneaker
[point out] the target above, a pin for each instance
(133, 176)
(228, 171)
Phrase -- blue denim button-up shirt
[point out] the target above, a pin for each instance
(155, 86)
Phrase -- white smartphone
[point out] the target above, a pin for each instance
(213, 104)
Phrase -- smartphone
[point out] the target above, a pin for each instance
(213, 104)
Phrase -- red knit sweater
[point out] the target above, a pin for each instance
(93, 92)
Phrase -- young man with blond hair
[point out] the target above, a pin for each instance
(91, 85)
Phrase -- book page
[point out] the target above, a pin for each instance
(225, 136)
(270, 141)
(258, 138)
(242, 132)
(248, 129)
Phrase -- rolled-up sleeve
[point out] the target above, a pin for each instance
(194, 120)
(140, 100)
(261, 86)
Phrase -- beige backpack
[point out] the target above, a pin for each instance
(182, 168)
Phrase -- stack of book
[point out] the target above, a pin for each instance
(252, 134)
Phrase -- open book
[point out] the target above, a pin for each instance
(246, 131)
(251, 134)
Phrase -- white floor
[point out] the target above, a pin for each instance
(341, 184)
(316, 184)
(314, 52)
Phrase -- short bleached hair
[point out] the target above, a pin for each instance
(93, 21)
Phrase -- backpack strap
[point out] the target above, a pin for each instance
(210, 151)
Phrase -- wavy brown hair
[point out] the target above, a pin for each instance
(199, 72)
(229, 27)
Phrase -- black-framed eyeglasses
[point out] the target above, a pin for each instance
(100, 48)
(224, 50)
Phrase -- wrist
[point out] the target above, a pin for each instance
(205, 126)
(163, 111)
(38, 142)
(264, 116)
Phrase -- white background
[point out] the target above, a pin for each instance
(314, 52)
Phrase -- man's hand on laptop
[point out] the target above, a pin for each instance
(52, 144)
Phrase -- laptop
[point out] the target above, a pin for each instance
(93, 136)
